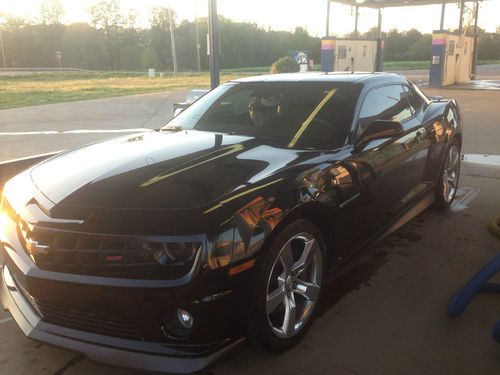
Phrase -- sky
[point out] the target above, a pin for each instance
(279, 14)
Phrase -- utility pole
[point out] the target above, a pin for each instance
(198, 61)
(2, 47)
(172, 39)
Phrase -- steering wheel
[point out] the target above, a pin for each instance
(320, 132)
(321, 127)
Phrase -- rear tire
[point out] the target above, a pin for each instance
(447, 183)
(288, 287)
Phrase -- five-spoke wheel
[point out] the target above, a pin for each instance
(447, 185)
(288, 287)
(451, 172)
(293, 285)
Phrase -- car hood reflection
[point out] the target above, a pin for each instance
(161, 170)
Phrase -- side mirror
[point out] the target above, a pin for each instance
(380, 129)
(179, 108)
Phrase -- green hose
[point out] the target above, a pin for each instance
(495, 226)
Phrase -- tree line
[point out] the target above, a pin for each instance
(113, 41)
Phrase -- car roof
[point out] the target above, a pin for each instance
(367, 79)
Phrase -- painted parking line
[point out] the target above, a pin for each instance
(463, 198)
(484, 159)
(78, 131)
(5, 320)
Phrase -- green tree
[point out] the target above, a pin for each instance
(149, 59)
(51, 12)
(160, 35)
(285, 65)
(106, 16)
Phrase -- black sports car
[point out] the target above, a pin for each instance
(162, 250)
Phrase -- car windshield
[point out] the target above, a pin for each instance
(309, 115)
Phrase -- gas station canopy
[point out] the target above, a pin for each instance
(392, 3)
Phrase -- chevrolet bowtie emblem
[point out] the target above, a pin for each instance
(34, 248)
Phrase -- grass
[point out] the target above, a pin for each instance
(488, 62)
(56, 87)
(251, 69)
(409, 65)
(406, 65)
(46, 88)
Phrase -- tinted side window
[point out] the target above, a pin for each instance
(416, 101)
(384, 103)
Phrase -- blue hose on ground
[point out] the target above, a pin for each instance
(478, 283)
(495, 226)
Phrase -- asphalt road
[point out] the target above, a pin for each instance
(92, 117)
(47, 128)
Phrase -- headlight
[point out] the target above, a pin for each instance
(7, 214)
(172, 252)
(6, 209)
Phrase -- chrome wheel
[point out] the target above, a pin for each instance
(294, 284)
(451, 173)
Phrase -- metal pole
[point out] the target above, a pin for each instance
(213, 39)
(172, 39)
(461, 21)
(327, 17)
(379, 27)
(476, 37)
(379, 62)
(356, 16)
(198, 61)
(443, 8)
(2, 47)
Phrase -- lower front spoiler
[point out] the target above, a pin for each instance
(107, 350)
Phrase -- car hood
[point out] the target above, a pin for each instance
(160, 170)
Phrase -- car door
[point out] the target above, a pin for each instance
(426, 133)
(394, 166)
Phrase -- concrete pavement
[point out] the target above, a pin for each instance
(481, 118)
(385, 315)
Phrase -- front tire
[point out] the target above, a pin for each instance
(447, 184)
(288, 288)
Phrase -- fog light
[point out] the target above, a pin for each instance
(185, 318)
(178, 324)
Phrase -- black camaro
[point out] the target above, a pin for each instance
(162, 250)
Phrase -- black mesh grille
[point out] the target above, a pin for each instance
(81, 319)
(88, 321)
(95, 255)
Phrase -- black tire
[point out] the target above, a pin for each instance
(443, 197)
(259, 330)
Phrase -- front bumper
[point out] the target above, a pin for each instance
(148, 356)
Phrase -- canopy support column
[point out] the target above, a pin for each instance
(476, 37)
(327, 18)
(356, 18)
(461, 20)
(379, 65)
(443, 9)
(213, 40)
